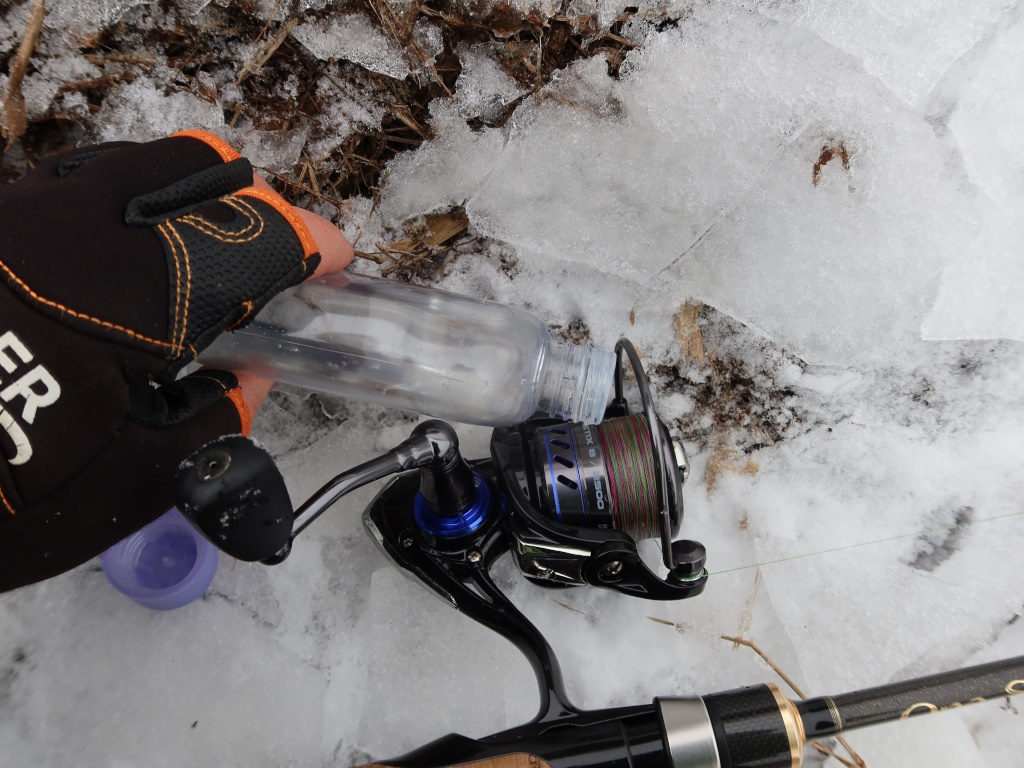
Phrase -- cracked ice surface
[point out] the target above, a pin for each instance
(695, 170)
(981, 291)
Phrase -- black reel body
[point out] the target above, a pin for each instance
(569, 501)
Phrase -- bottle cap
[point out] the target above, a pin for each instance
(165, 565)
(596, 388)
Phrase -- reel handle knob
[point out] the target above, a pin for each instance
(233, 493)
(689, 557)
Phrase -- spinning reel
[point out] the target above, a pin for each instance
(569, 501)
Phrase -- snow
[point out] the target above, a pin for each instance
(707, 203)
(864, 352)
(909, 46)
(277, 151)
(981, 291)
(355, 39)
(82, 17)
(695, 172)
(484, 89)
(141, 111)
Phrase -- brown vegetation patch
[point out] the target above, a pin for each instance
(430, 243)
(829, 152)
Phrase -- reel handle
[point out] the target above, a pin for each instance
(233, 493)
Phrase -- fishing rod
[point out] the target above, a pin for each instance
(569, 502)
(751, 727)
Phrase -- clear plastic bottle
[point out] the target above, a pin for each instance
(421, 350)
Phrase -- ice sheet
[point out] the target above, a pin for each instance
(355, 39)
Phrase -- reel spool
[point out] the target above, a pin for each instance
(603, 476)
(582, 496)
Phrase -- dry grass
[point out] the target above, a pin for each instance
(568, 607)
(430, 242)
(531, 47)
(262, 54)
(725, 459)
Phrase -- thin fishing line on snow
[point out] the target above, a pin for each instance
(869, 543)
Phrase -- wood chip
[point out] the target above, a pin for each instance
(688, 332)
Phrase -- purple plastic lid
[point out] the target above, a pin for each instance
(165, 565)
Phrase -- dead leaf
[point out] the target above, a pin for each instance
(441, 227)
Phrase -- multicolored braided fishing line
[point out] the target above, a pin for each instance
(629, 462)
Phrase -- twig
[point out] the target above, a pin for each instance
(568, 607)
(264, 52)
(15, 120)
(619, 40)
(858, 761)
(539, 81)
(826, 751)
(375, 258)
(757, 649)
(270, 20)
(308, 190)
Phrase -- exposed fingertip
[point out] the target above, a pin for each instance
(254, 390)
(335, 251)
(261, 183)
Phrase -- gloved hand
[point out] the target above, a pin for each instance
(118, 264)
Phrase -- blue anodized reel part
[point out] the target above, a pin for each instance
(459, 523)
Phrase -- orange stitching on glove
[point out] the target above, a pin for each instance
(188, 287)
(81, 316)
(222, 235)
(244, 414)
(243, 318)
(279, 204)
(218, 382)
(6, 503)
(235, 396)
(226, 151)
(177, 282)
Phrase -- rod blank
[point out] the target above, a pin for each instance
(826, 715)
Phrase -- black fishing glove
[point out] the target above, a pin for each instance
(118, 264)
